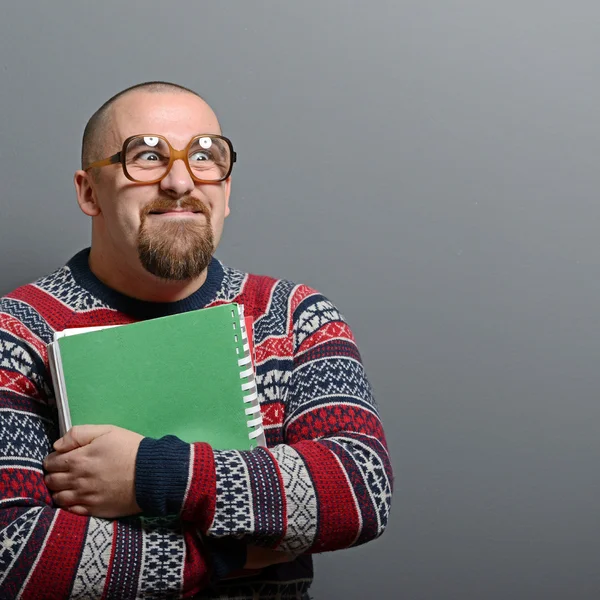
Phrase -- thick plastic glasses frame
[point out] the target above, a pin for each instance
(119, 157)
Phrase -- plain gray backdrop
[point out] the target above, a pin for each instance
(433, 168)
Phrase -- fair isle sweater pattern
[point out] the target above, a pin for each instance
(323, 483)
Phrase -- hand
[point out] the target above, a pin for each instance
(259, 558)
(92, 471)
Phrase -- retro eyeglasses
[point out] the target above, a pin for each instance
(148, 158)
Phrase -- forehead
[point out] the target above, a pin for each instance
(176, 116)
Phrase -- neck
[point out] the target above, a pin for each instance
(134, 281)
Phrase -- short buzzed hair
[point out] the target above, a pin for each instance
(93, 134)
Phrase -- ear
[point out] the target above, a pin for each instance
(227, 190)
(86, 195)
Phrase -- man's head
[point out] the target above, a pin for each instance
(169, 228)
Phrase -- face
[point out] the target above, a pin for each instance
(172, 227)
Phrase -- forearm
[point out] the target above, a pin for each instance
(311, 495)
(325, 483)
(70, 556)
(45, 548)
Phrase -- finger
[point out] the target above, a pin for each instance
(259, 558)
(80, 435)
(59, 481)
(72, 497)
(66, 498)
(56, 462)
(79, 510)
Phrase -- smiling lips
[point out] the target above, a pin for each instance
(177, 212)
(186, 207)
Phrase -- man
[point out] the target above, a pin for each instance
(91, 518)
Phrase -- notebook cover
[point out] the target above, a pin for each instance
(173, 375)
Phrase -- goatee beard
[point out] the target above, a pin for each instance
(175, 249)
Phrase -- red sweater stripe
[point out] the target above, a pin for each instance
(56, 314)
(329, 331)
(59, 559)
(15, 382)
(273, 347)
(15, 327)
(338, 517)
(273, 414)
(202, 486)
(301, 293)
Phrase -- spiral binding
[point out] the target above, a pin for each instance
(250, 398)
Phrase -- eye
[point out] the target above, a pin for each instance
(149, 155)
(199, 156)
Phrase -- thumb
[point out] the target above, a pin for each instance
(80, 435)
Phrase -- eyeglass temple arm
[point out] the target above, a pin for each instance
(111, 160)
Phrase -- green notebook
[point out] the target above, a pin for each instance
(189, 375)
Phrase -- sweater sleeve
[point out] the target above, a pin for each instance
(328, 486)
(45, 551)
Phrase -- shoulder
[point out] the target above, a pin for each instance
(286, 302)
(263, 293)
(53, 283)
(40, 306)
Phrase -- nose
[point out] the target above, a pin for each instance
(178, 181)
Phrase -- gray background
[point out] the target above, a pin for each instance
(432, 167)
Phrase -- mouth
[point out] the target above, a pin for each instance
(176, 212)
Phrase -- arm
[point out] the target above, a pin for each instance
(327, 487)
(49, 549)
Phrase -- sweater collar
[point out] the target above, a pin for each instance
(142, 309)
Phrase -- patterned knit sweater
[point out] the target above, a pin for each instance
(323, 483)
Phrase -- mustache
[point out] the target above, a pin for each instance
(163, 204)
